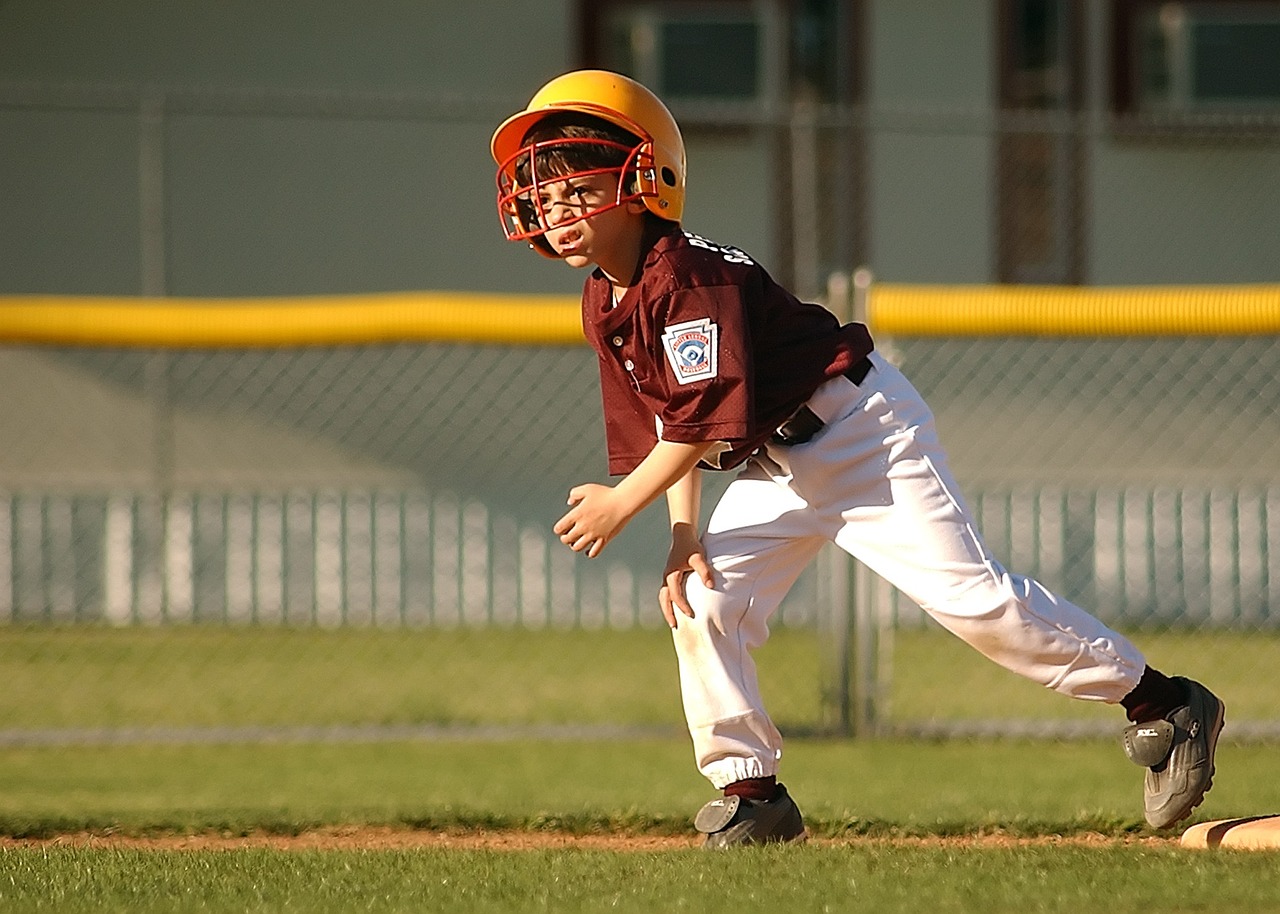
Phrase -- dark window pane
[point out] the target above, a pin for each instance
(710, 59)
(1236, 60)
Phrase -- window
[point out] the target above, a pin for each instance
(1197, 58)
(716, 51)
(688, 52)
(773, 80)
(1039, 154)
(726, 51)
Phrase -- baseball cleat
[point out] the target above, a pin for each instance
(1178, 755)
(737, 821)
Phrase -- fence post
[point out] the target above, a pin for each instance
(835, 587)
(865, 672)
(836, 639)
(851, 690)
(866, 653)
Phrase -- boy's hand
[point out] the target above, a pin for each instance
(686, 556)
(598, 513)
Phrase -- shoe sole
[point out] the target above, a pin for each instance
(710, 845)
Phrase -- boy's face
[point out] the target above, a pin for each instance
(583, 223)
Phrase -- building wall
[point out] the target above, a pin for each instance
(328, 149)
(1184, 211)
(1200, 207)
(242, 148)
(930, 189)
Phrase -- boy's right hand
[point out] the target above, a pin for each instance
(686, 556)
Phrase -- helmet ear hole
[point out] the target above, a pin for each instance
(668, 177)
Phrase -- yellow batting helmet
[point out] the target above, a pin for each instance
(658, 163)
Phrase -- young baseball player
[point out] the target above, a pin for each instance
(706, 363)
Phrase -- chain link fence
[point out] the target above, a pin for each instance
(1133, 476)
(411, 488)
(400, 485)
(354, 518)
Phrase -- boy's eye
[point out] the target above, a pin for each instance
(576, 194)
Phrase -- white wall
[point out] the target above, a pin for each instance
(931, 185)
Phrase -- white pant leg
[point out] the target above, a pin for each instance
(876, 482)
(758, 540)
(879, 479)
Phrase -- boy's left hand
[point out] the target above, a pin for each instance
(598, 513)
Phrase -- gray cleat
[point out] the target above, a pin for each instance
(1178, 755)
(735, 821)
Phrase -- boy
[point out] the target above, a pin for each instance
(706, 362)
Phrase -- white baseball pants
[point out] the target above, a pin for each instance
(875, 482)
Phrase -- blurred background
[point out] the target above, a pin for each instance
(189, 535)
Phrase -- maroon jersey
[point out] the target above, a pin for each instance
(705, 346)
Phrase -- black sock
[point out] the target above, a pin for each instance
(1153, 698)
(753, 788)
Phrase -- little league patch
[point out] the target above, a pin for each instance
(691, 349)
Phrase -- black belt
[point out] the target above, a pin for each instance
(804, 423)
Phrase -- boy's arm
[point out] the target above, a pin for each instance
(687, 555)
(684, 499)
(598, 513)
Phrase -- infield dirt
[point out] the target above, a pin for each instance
(386, 838)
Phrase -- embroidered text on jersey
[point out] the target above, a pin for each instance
(691, 349)
(728, 252)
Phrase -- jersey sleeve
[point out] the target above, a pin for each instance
(704, 336)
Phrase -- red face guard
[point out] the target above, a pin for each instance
(520, 206)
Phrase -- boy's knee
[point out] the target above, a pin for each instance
(707, 619)
(718, 616)
(712, 607)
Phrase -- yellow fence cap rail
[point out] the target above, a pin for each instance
(920, 310)
(468, 317)
(311, 321)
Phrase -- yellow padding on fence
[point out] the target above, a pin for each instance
(910, 310)
(318, 321)
(893, 309)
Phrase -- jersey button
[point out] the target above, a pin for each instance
(628, 364)
(617, 341)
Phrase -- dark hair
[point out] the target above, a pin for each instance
(612, 152)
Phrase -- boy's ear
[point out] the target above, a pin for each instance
(636, 207)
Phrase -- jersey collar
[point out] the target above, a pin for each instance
(654, 244)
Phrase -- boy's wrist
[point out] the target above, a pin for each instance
(629, 501)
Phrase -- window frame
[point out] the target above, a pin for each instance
(1042, 138)
(848, 84)
(772, 117)
(1127, 110)
(594, 16)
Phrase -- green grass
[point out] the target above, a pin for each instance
(877, 788)
(89, 677)
(196, 677)
(791, 879)
(938, 676)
